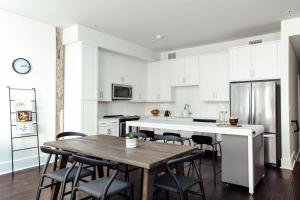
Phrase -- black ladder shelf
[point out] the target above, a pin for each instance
(13, 124)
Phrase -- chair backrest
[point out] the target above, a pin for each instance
(69, 134)
(90, 161)
(196, 155)
(202, 139)
(150, 134)
(140, 135)
(172, 134)
(172, 137)
(52, 151)
(84, 160)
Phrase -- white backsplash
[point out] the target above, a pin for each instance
(121, 107)
(183, 95)
(190, 95)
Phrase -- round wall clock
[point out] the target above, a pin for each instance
(21, 66)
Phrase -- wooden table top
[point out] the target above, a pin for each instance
(146, 155)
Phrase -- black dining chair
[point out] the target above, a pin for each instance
(177, 136)
(66, 135)
(61, 176)
(149, 134)
(104, 187)
(69, 135)
(181, 184)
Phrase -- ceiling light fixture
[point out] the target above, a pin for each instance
(159, 37)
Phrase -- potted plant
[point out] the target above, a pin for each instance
(131, 140)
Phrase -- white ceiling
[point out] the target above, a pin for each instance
(183, 23)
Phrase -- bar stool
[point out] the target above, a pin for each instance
(208, 140)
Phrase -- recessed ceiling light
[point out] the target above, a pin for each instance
(159, 37)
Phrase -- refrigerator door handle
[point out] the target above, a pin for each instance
(253, 107)
(250, 106)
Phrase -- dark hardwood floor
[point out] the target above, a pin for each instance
(277, 185)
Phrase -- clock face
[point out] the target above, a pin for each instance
(21, 66)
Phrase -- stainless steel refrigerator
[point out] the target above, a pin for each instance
(258, 103)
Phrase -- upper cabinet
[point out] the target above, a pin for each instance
(214, 77)
(184, 71)
(114, 68)
(254, 62)
(158, 82)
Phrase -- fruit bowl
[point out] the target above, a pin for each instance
(155, 112)
(233, 120)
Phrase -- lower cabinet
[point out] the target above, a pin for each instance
(108, 127)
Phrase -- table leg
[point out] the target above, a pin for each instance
(62, 164)
(180, 168)
(148, 182)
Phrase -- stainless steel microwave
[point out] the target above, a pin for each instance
(121, 92)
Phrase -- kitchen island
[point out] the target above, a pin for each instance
(250, 135)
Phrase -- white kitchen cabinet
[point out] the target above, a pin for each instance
(139, 82)
(105, 63)
(214, 77)
(265, 60)
(192, 70)
(81, 88)
(240, 63)
(177, 71)
(184, 71)
(254, 62)
(114, 68)
(158, 82)
(108, 127)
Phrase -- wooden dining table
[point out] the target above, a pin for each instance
(148, 155)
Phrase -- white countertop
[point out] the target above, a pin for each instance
(184, 125)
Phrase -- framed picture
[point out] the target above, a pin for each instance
(24, 116)
(24, 128)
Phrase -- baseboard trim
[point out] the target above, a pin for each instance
(21, 164)
(289, 163)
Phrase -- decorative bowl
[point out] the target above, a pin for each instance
(233, 120)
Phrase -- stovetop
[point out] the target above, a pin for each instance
(123, 117)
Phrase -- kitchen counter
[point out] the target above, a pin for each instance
(243, 155)
(187, 124)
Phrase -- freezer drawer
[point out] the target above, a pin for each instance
(270, 148)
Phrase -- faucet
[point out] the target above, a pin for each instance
(187, 110)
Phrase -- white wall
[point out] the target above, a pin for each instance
(288, 28)
(22, 37)
(293, 99)
(221, 46)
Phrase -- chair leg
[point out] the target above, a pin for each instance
(41, 182)
(185, 196)
(126, 174)
(107, 171)
(62, 190)
(167, 195)
(131, 192)
(220, 148)
(214, 164)
(73, 194)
